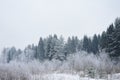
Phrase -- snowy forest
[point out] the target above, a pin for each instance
(96, 57)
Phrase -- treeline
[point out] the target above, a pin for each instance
(108, 41)
(54, 47)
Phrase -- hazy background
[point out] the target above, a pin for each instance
(22, 22)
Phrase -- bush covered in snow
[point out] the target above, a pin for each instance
(80, 63)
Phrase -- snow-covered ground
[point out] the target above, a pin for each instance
(62, 76)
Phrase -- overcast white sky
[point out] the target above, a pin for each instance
(22, 22)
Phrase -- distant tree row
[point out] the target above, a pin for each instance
(91, 45)
(54, 47)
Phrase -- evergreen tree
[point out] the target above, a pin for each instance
(89, 50)
(95, 42)
(40, 50)
(12, 53)
(110, 40)
(28, 54)
(9, 54)
(115, 45)
(76, 43)
(68, 46)
(54, 48)
(72, 45)
(86, 44)
(103, 41)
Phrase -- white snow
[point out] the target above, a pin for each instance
(60, 76)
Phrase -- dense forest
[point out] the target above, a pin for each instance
(54, 47)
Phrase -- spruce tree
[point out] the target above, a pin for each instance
(110, 38)
(115, 45)
(40, 50)
(103, 41)
(86, 44)
(95, 42)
